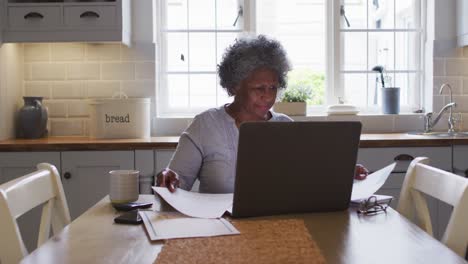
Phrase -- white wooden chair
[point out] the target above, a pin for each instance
(23, 194)
(444, 186)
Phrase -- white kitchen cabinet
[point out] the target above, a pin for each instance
(144, 163)
(460, 167)
(62, 21)
(17, 164)
(85, 176)
(460, 160)
(162, 157)
(128, 21)
(161, 160)
(462, 22)
(377, 158)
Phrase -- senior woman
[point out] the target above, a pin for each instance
(252, 70)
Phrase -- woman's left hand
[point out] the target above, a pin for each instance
(360, 172)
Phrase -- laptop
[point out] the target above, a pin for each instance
(295, 167)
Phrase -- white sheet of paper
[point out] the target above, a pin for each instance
(194, 204)
(365, 188)
(161, 225)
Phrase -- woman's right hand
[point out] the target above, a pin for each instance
(360, 172)
(167, 178)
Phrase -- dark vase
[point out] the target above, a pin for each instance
(32, 118)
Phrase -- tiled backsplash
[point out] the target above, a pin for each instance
(376, 123)
(66, 74)
(451, 66)
(370, 123)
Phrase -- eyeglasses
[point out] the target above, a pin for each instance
(373, 206)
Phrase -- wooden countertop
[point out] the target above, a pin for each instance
(85, 143)
(405, 140)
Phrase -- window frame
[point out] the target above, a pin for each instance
(338, 88)
(334, 86)
(162, 109)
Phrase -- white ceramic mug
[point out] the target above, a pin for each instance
(123, 186)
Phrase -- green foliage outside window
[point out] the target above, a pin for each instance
(299, 94)
(304, 85)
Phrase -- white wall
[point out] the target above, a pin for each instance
(11, 79)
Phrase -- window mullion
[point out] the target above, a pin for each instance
(216, 50)
(163, 59)
(188, 58)
(250, 15)
(422, 41)
(203, 30)
(330, 51)
(333, 9)
(394, 41)
(367, 55)
(191, 72)
(388, 71)
(381, 30)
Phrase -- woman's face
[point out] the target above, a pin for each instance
(257, 93)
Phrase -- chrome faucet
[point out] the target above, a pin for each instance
(429, 123)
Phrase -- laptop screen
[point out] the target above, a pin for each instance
(295, 167)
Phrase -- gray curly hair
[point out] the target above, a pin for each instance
(249, 54)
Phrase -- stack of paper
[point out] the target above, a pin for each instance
(202, 205)
(198, 215)
(168, 225)
(366, 188)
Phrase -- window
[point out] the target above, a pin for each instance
(193, 36)
(300, 25)
(380, 32)
(333, 46)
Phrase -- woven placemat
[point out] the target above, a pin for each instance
(262, 241)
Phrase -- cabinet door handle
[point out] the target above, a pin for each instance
(33, 15)
(403, 157)
(67, 175)
(89, 14)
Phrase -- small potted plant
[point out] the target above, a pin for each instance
(293, 101)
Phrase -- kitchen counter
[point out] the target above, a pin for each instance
(85, 143)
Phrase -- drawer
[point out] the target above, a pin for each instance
(460, 160)
(90, 16)
(377, 158)
(34, 17)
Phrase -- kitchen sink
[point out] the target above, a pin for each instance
(439, 134)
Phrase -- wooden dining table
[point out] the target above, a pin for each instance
(343, 237)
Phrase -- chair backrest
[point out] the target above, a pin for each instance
(23, 194)
(444, 186)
